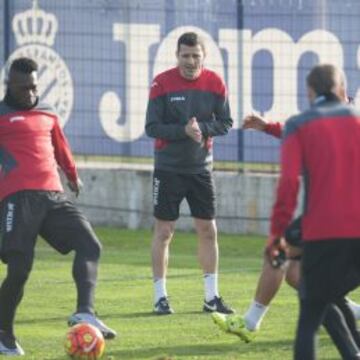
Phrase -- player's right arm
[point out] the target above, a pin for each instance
(64, 158)
(155, 126)
(258, 122)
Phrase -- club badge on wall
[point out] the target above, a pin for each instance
(35, 31)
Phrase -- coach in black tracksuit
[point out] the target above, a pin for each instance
(188, 105)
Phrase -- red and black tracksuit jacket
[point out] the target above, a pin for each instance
(173, 101)
(32, 146)
(322, 144)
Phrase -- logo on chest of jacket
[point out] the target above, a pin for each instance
(177, 98)
(16, 118)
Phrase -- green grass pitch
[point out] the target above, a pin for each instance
(124, 302)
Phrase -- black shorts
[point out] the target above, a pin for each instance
(330, 269)
(169, 189)
(27, 214)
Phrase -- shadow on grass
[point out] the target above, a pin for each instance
(148, 314)
(234, 351)
(130, 315)
(43, 320)
(238, 351)
(64, 318)
(227, 351)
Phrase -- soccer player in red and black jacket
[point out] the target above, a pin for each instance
(323, 144)
(271, 276)
(32, 202)
(188, 105)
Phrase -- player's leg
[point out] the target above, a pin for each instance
(312, 314)
(340, 324)
(201, 199)
(293, 237)
(168, 192)
(271, 278)
(268, 285)
(293, 272)
(336, 323)
(350, 319)
(310, 318)
(294, 241)
(11, 294)
(339, 320)
(163, 233)
(335, 320)
(208, 255)
(246, 326)
(328, 272)
(65, 228)
(352, 276)
(20, 215)
(355, 307)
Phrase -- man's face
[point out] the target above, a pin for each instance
(190, 61)
(23, 89)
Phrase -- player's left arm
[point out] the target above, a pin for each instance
(221, 122)
(64, 158)
(288, 184)
(257, 122)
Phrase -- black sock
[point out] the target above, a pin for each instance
(85, 275)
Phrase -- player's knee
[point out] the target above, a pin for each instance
(164, 232)
(19, 268)
(96, 249)
(293, 274)
(90, 247)
(18, 275)
(206, 229)
(289, 279)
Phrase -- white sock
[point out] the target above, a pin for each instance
(211, 286)
(254, 316)
(159, 289)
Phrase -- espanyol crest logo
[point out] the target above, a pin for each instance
(35, 32)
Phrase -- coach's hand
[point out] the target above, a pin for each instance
(276, 251)
(75, 186)
(192, 130)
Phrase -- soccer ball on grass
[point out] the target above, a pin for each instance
(84, 341)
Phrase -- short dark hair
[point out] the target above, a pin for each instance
(190, 39)
(24, 65)
(323, 78)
